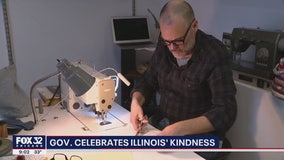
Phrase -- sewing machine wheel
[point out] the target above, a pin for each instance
(5, 146)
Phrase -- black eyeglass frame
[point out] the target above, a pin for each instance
(65, 157)
(178, 40)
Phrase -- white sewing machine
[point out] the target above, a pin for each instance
(88, 94)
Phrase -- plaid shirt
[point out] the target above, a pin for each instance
(204, 86)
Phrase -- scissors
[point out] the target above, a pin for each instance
(140, 129)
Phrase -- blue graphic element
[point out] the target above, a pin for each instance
(132, 142)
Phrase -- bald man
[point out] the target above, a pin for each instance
(191, 71)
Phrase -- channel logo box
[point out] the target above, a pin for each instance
(29, 145)
(29, 142)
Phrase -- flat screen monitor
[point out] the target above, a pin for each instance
(131, 29)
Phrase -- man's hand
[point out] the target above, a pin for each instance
(136, 115)
(172, 130)
(193, 126)
(136, 111)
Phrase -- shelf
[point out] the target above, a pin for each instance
(130, 58)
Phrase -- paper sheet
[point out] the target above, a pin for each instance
(93, 121)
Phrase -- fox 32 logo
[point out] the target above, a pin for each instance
(29, 142)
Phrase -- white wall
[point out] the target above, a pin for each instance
(45, 30)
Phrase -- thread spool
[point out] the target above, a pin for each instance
(3, 130)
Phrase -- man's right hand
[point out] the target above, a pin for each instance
(136, 111)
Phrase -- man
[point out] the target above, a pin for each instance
(191, 72)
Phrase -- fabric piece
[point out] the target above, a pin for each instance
(18, 124)
(278, 81)
(14, 103)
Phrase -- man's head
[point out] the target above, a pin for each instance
(178, 28)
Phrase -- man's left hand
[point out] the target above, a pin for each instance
(171, 130)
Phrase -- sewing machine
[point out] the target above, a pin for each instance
(87, 94)
(255, 52)
(82, 86)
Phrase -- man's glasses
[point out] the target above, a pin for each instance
(61, 156)
(179, 41)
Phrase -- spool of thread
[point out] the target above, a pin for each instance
(3, 130)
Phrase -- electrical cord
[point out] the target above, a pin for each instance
(32, 101)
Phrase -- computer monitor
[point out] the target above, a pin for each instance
(131, 29)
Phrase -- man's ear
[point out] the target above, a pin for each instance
(195, 25)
